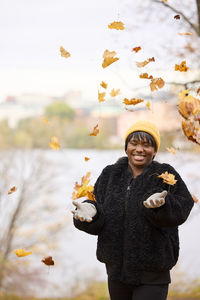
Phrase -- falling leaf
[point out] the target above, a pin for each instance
(171, 150)
(177, 17)
(132, 101)
(146, 76)
(114, 92)
(168, 178)
(101, 96)
(144, 63)
(64, 53)
(12, 190)
(188, 105)
(136, 49)
(116, 25)
(109, 58)
(83, 190)
(182, 67)
(164, 0)
(54, 144)
(104, 84)
(156, 83)
(198, 91)
(91, 196)
(86, 158)
(95, 131)
(185, 33)
(195, 198)
(148, 105)
(22, 252)
(48, 261)
(45, 121)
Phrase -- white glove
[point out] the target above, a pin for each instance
(155, 200)
(85, 211)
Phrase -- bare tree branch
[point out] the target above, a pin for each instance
(194, 27)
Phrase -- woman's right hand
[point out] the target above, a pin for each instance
(84, 211)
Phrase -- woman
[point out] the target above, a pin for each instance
(136, 217)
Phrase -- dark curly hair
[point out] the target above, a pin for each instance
(141, 136)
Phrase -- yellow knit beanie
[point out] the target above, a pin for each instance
(146, 126)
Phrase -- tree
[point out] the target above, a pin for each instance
(60, 110)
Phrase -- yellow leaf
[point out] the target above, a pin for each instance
(64, 53)
(116, 25)
(114, 92)
(86, 158)
(54, 144)
(171, 150)
(12, 190)
(101, 96)
(83, 190)
(182, 67)
(168, 178)
(22, 252)
(156, 83)
(185, 33)
(45, 121)
(104, 84)
(148, 105)
(109, 58)
(195, 198)
(146, 76)
(91, 196)
(95, 131)
(132, 101)
(144, 63)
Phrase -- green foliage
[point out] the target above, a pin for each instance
(60, 110)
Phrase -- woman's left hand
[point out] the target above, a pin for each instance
(155, 200)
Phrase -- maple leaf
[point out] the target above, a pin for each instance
(185, 33)
(95, 131)
(54, 144)
(182, 67)
(136, 49)
(22, 252)
(168, 178)
(114, 92)
(83, 190)
(101, 96)
(45, 121)
(64, 53)
(146, 76)
(195, 198)
(108, 58)
(156, 83)
(177, 17)
(48, 261)
(148, 105)
(116, 25)
(171, 150)
(104, 84)
(86, 158)
(144, 63)
(12, 190)
(132, 101)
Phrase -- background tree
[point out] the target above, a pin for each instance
(59, 109)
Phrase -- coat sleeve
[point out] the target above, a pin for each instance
(97, 223)
(177, 207)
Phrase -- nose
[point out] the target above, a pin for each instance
(139, 148)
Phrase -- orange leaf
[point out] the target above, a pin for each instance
(86, 158)
(136, 49)
(109, 58)
(48, 261)
(156, 83)
(54, 144)
(168, 178)
(101, 96)
(114, 92)
(132, 101)
(64, 53)
(146, 76)
(83, 189)
(185, 33)
(95, 131)
(91, 196)
(144, 63)
(116, 25)
(104, 84)
(195, 198)
(12, 190)
(182, 67)
(198, 91)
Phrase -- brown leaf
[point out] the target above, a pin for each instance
(104, 84)
(48, 261)
(144, 63)
(95, 131)
(182, 67)
(177, 17)
(195, 198)
(109, 58)
(146, 76)
(156, 83)
(168, 178)
(136, 49)
(185, 33)
(86, 158)
(132, 101)
(12, 190)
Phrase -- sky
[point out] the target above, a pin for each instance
(32, 31)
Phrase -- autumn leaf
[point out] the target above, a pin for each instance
(91, 196)
(86, 158)
(116, 25)
(22, 252)
(182, 67)
(171, 150)
(144, 63)
(164, 0)
(177, 17)
(146, 76)
(48, 261)
(148, 105)
(114, 92)
(64, 53)
(83, 190)
(95, 131)
(136, 49)
(45, 121)
(168, 178)
(12, 190)
(195, 198)
(54, 144)
(132, 101)
(156, 83)
(185, 33)
(109, 58)
(101, 96)
(104, 84)
(188, 105)
(198, 91)
(191, 129)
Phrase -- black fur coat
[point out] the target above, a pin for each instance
(131, 237)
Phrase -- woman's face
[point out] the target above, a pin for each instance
(140, 152)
